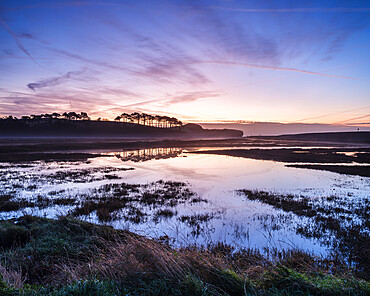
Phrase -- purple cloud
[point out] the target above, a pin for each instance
(53, 81)
(191, 97)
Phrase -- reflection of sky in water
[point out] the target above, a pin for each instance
(215, 178)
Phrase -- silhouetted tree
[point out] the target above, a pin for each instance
(84, 116)
(151, 120)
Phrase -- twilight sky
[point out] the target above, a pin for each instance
(283, 61)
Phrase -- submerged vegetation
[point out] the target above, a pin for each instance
(47, 157)
(31, 179)
(341, 223)
(68, 257)
(134, 202)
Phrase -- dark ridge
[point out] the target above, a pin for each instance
(47, 127)
(317, 155)
(357, 170)
(342, 137)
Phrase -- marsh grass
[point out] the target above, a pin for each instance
(341, 223)
(164, 214)
(136, 202)
(197, 222)
(70, 257)
(30, 180)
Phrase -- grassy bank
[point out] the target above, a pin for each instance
(69, 257)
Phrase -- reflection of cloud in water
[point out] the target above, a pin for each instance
(258, 172)
(190, 173)
(183, 172)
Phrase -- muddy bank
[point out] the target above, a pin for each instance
(321, 155)
(341, 137)
(357, 170)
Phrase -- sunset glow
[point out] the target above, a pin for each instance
(201, 61)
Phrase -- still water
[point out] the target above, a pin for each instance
(232, 218)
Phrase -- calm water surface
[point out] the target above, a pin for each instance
(235, 219)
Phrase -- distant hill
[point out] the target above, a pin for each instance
(341, 137)
(51, 127)
(278, 128)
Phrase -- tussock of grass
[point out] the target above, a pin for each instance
(70, 257)
(12, 235)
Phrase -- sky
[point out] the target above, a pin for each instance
(201, 61)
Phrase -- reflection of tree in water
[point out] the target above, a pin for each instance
(148, 154)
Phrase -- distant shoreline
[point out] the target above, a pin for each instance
(64, 128)
(342, 137)
(48, 144)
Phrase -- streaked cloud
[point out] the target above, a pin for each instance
(191, 97)
(53, 81)
(351, 119)
(87, 60)
(295, 10)
(331, 114)
(269, 68)
(17, 41)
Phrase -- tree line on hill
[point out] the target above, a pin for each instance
(150, 120)
(65, 115)
(138, 118)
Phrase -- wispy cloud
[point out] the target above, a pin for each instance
(294, 10)
(267, 35)
(17, 41)
(22, 58)
(68, 3)
(53, 81)
(169, 70)
(141, 103)
(351, 119)
(269, 68)
(191, 97)
(331, 114)
(231, 38)
(121, 92)
(155, 59)
(88, 60)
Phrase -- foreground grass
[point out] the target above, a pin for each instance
(69, 257)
